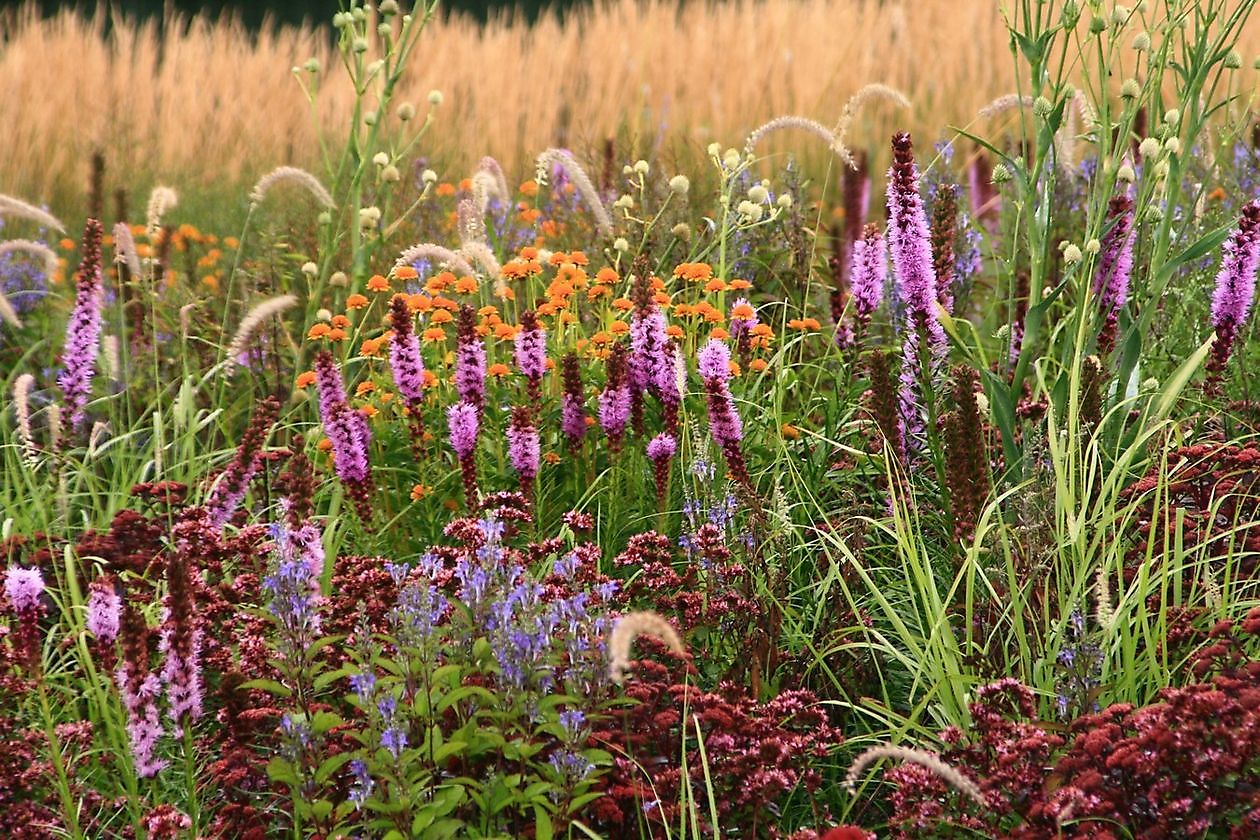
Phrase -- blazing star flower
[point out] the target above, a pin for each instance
(530, 347)
(573, 404)
(345, 427)
(614, 402)
(1235, 289)
(523, 447)
(83, 331)
(648, 343)
(23, 588)
(230, 490)
(463, 424)
(869, 272)
(1115, 265)
(660, 450)
(470, 360)
(104, 609)
(404, 352)
(715, 362)
(139, 689)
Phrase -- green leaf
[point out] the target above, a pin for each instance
(269, 686)
(542, 824)
(323, 722)
(279, 770)
(331, 765)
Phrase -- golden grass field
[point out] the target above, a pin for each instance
(197, 103)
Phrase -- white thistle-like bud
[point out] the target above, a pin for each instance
(310, 269)
(1125, 173)
(435, 97)
(641, 167)
(1148, 148)
(428, 176)
(405, 111)
(390, 174)
(620, 244)
(1130, 89)
(380, 159)
(339, 279)
(758, 194)
(679, 184)
(1072, 254)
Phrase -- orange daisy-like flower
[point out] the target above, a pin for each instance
(758, 365)
(606, 276)
(743, 312)
(356, 301)
(370, 347)
(529, 188)
(377, 283)
(595, 292)
(446, 303)
(466, 285)
(324, 445)
(337, 334)
(434, 334)
(419, 303)
(717, 284)
(531, 215)
(504, 332)
(385, 397)
(406, 272)
(441, 316)
(318, 331)
(488, 311)
(719, 333)
(567, 317)
(551, 457)
(368, 411)
(558, 258)
(364, 388)
(600, 338)
(211, 282)
(419, 491)
(696, 272)
(624, 304)
(498, 370)
(551, 228)
(674, 331)
(735, 368)
(790, 432)
(66, 244)
(684, 310)
(738, 285)
(710, 312)
(430, 379)
(763, 331)
(619, 328)
(529, 252)
(579, 258)
(305, 378)
(340, 321)
(548, 308)
(445, 190)
(661, 298)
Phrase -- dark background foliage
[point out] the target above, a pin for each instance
(254, 12)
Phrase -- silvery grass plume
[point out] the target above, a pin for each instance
(472, 224)
(1002, 104)
(8, 313)
(18, 209)
(865, 94)
(161, 201)
(433, 251)
(1105, 613)
(250, 324)
(185, 318)
(22, 408)
(947, 774)
(109, 354)
(125, 249)
(38, 249)
(566, 161)
(290, 175)
(488, 182)
(803, 124)
(54, 427)
(480, 253)
(628, 628)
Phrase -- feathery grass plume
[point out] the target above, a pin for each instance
(944, 231)
(802, 124)
(109, 355)
(966, 455)
(488, 182)
(1235, 291)
(1104, 611)
(253, 319)
(480, 253)
(54, 427)
(947, 774)
(1007, 102)
(868, 93)
(22, 408)
(161, 201)
(83, 332)
(471, 223)
(629, 627)
(290, 175)
(185, 318)
(567, 162)
(229, 491)
(15, 208)
(30, 246)
(8, 313)
(439, 253)
(125, 249)
(1115, 265)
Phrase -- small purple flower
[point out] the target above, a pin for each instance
(363, 685)
(363, 785)
(23, 588)
(394, 740)
(463, 424)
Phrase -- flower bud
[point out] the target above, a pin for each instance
(1042, 107)
(405, 111)
(758, 194)
(1233, 60)
(784, 200)
(428, 176)
(323, 315)
(679, 184)
(359, 44)
(620, 244)
(1130, 89)
(1093, 246)
(388, 7)
(435, 97)
(1148, 148)
(391, 175)
(1072, 254)
(641, 167)
(339, 279)
(1125, 173)
(1001, 173)
(310, 269)
(1142, 42)
(731, 159)
(682, 231)
(380, 159)
(1173, 145)
(311, 65)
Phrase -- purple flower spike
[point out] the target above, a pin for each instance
(530, 346)
(463, 424)
(346, 428)
(404, 353)
(470, 360)
(83, 332)
(715, 361)
(1235, 290)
